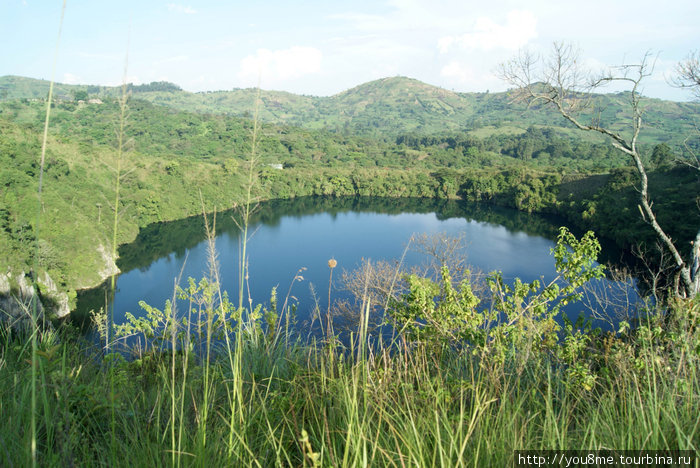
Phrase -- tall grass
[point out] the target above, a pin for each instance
(296, 404)
(121, 141)
(37, 227)
(248, 204)
(118, 170)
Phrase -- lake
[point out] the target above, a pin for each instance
(305, 233)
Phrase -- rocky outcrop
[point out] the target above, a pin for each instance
(19, 298)
(16, 307)
(17, 291)
(110, 267)
(54, 300)
(4, 284)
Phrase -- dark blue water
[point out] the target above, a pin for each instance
(306, 233)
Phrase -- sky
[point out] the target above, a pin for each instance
(321, 48)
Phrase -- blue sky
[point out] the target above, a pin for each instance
(324, 47)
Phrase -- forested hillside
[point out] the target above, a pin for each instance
(387, 108)
(339, 148)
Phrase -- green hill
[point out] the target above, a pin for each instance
(395, 137)
(389, 107)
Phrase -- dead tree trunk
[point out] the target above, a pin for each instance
(559, 82)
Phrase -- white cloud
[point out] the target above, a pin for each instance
(281, 65)
(664, 70)
(188, 10)
(99, 56)
(592, 63)
(409, 16)
(519, 29)
(177, 58)
(365, 22)
(457, 71)
(69, 78)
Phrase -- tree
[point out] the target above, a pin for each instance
(80, 95)
(559, 81)
(689, 77)
(661, 155)
(688, 73)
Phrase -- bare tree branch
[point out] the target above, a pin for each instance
(559, 81)
(688, 73)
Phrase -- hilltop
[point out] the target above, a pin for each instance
(387, 108)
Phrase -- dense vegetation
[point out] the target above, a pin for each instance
(472, 371)
(174, 155)
(387, 108)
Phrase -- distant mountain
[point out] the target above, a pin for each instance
(388, 107)
(19, 87)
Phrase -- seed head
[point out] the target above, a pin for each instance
(332, 263)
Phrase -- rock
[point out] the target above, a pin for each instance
(17, 294)
(51, 295)
(4, 284)
(110, 267)
(16, 302)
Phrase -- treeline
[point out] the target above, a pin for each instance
(158, 130)
(609, 205)
(173, 156)
(154, 86)
(164, 185)
(537, 147)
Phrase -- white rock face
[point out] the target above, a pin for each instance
(17, 292)
(59, 299)
(5, 283)
(16, 306)
(110, 267)
(17, 295)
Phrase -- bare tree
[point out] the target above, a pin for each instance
(559, 81)
(688, 73)
(688, 76)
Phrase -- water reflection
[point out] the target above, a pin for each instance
(307, 232)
